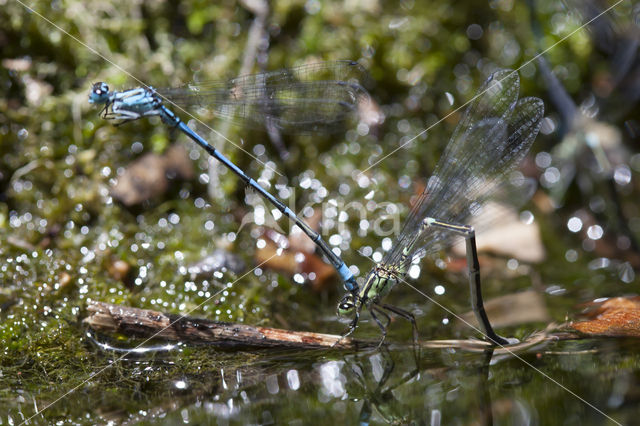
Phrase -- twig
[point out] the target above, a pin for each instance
(145, 323)
(106, 317)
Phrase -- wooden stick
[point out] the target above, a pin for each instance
(145, 323)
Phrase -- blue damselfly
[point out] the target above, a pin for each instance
(493, 136)
(307, 98)
(315, 97)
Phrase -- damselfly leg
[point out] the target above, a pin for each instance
(383, 327)
(473, 266)
(406, 315)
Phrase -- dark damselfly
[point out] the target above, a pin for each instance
(493, 136)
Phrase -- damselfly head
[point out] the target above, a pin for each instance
(99, 93)
(348, 305)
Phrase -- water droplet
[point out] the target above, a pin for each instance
(450, 98)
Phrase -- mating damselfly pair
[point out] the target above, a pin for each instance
(494, 134)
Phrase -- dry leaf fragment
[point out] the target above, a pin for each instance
(514, 309)
(512, 238)
(615, 317)
(295, 257)
(149, 176)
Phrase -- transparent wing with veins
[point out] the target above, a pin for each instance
(493, 136)
(308, 98)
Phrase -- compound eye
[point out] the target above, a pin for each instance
(100, 88)
(345, 306)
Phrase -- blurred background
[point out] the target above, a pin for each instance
(137, 215)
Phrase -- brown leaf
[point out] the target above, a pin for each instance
(514, 309)
(122, 271)
(142, 180)
(600, 306)
(291, 261)
(148, 177)
(285, 262)
(177, 162)
(510, 237)
(618, 316)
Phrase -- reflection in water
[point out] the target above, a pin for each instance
(447, 386)
(376, 387)
(333, 382)
(106, 346)
(486, 412)
(391, 386)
